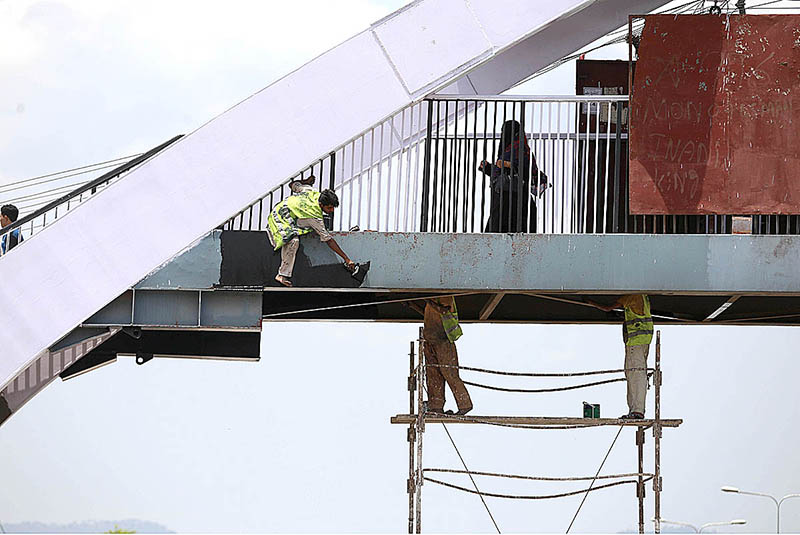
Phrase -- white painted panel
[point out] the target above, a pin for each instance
(552, 41)
(505, 21)
(431, 39)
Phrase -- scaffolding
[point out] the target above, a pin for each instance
(417, 418)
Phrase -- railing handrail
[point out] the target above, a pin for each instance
(530, 98)
(89, 185)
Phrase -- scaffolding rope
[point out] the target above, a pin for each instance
(543, 390)
(525, 374)
(529, 497)
(645, 475)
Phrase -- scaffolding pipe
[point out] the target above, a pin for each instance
(657, 435)
(411, 484)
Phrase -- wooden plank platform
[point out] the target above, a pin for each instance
(407, 419)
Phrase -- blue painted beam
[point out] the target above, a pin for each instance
(615, 263)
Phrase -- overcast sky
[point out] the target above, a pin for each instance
(301, 441)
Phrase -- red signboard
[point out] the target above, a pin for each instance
(715, 116)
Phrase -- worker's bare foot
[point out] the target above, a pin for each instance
(465, 410)
(283, 280)
(309, 181)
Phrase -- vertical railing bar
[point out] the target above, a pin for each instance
(501, 150)
(474, 163)
(446, 175)
(360, 185)
(452, 213)
(550, 164)
(596, 182)
(379, 197)
(464, 170)
(538, 143)
(416, 165)
(483, 221)
(586, 152)
(370, 181)
(401, 148)
(389, 158)
(617, 206)
(413, 141)
(605, 177)
(350, 183)
(435, 165)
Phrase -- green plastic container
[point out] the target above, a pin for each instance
(591, 410)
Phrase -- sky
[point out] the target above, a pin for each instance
(301, 441)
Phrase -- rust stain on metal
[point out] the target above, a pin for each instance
(715, 123)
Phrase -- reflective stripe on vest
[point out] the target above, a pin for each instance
(282, 220)
(638, 330)
(450, 323)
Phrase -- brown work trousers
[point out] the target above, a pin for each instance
(443, 353)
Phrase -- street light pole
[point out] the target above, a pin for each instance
(777, 502)
(738, 522)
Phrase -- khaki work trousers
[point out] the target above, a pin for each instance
(636, 357)
(443, 353)
(288, 254)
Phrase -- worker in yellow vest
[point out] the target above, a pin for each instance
(440, 332)
(637, 332)
(300, 214)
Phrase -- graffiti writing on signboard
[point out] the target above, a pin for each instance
(697, 111)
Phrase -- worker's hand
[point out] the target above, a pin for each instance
(350, 265)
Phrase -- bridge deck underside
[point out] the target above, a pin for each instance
(511, 307)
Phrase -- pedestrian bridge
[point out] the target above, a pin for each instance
(167, 255)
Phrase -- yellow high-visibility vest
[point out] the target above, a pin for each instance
(450, 323)
(638, 330)
(282, 220)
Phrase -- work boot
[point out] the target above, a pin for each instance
(465, 410)
(633, 415)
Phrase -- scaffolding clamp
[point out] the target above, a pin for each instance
(658, 484)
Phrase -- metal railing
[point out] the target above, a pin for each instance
(443, 165)
(34, 222)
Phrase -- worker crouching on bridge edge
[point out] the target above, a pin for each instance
(440, 332)
(299, 214)
(637, 332)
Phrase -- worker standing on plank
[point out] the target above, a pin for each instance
(440, 332)
(637, 332)
(299, 214)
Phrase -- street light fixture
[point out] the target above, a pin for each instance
(737, 522)
(778, 503)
